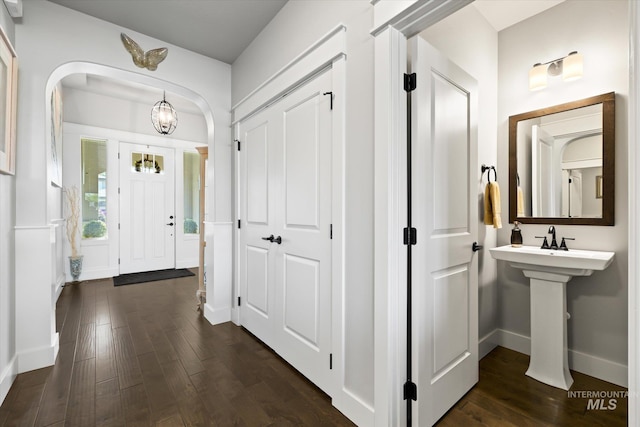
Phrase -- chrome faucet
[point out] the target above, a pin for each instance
(554, 243)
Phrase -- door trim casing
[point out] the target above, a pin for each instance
(395, 23)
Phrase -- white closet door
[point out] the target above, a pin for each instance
(257, 207)
(147, 203)
(445, 212)
(303, 270)
(285, 192)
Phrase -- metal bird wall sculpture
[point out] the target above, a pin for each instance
(142, 59)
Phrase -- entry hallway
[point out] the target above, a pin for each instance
(141, 355)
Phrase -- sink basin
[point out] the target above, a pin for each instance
(574, 262)
(548, 272)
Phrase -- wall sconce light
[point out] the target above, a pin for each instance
(164, 117)
(569, 66)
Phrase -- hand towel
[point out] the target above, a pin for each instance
(488, 213)
(492, 205)
(520, 203)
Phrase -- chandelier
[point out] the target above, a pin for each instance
(164, 117)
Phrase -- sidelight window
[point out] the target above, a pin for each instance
(191, 192)
(94, 188)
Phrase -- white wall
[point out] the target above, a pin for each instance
(7, 276)
(108, 112)
(599, 30)
(476, 51)
(296, 27)
(49, 37)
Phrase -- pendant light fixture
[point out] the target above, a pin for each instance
(164, 117)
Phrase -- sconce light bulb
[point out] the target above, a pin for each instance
(538, 77)
(572, 67)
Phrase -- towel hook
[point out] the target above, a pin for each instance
(485, 168)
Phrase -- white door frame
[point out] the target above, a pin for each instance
(395, 22)
(633, 414)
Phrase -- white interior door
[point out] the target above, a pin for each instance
(445, 213)
(257, 212)
(575, 194)
(147, 218)
(285, 192)
(543, 176)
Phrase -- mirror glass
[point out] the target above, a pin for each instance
(561, 163)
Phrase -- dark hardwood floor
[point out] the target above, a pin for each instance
(505, 396)
(141, 355)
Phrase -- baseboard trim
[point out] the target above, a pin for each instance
(7, 377)
(59, 286)
(594, 366)
(216, 316)
(235, 316)
(39, 357)
(354, 408)
(190, 263)
(486, 344)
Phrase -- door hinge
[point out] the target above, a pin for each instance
(118, 226)
(118, 190)
(570, 181)
(239, 224)
(331, 231)
(118, 156)
(238, 141)
(410, 82)
(118, 261)
(331, 98)
(410, 391)
(239, 302)
(410, 236)
(330, 360)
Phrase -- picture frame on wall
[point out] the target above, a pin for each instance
(599, 187)
(55, 157)
(8, 104)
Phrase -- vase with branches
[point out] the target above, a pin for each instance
(72, 217)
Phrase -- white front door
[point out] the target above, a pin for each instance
(147, 218)
(285, 192)
(445, 176)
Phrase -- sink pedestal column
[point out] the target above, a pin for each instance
(549, 362)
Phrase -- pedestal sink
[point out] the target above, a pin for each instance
(548, 272)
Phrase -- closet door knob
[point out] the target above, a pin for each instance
(476, 247)
(278, 240)
(269, 239)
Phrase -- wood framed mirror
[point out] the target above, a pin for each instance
(562, 163)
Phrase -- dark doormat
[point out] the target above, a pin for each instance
(150, 276)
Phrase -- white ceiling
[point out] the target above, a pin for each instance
(505, 13)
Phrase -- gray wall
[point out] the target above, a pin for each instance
(599, 30)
